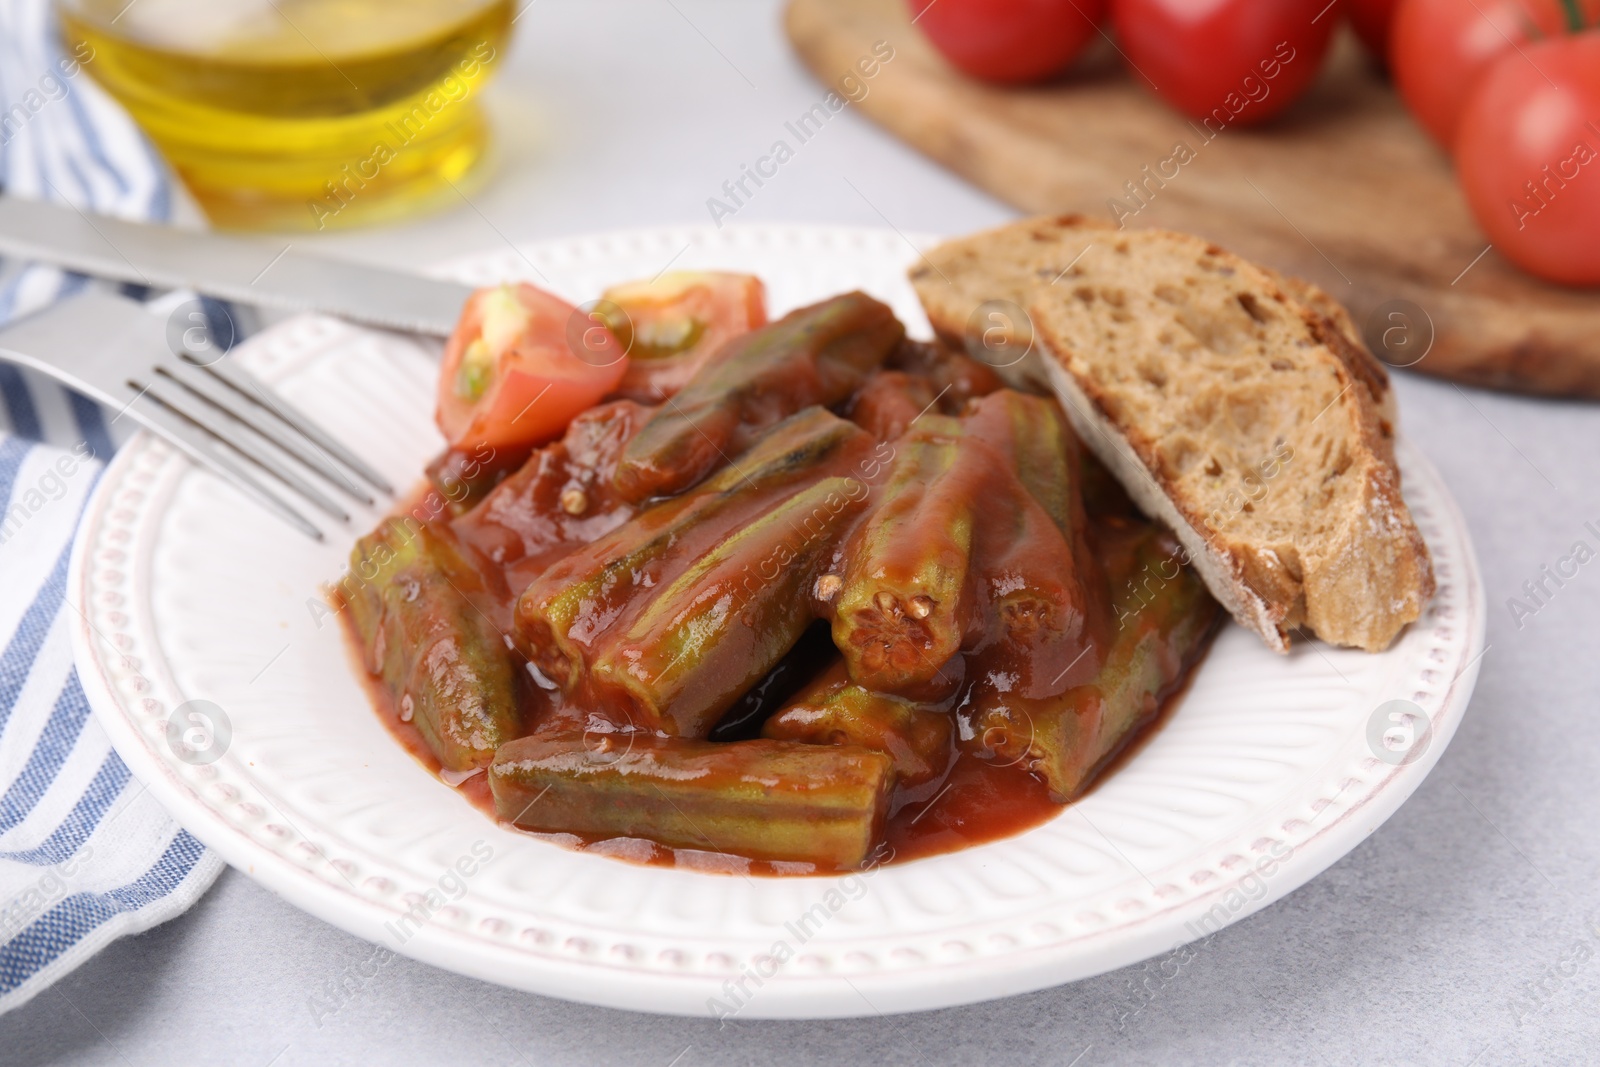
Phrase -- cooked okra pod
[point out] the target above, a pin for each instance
(1164, 620)
(711, 633)
(1032, 435)
(566, 616)
(762, 799)
(1041, 581)
(833, 710)
(904, 602)
(561, 496)
(422, 612)
(816, 355)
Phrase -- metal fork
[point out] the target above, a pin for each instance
(113, 350)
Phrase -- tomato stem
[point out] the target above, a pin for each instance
(1574, 11)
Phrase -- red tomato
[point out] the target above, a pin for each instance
(1372, 20)
(512, 378)
(1529, 155)
(1229, 61)
(1439, 48)
(671, 325)
(1009, 40)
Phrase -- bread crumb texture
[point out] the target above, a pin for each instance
(1247, 399)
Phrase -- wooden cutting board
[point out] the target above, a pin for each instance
(1345, 190)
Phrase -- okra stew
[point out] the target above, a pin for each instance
(691, 587)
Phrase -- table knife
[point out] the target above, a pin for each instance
(247, 270)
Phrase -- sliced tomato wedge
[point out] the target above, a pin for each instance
(671, 325)
(521, 364)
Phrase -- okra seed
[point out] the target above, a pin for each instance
(828, 586)
(921, 607)
(574, 501)
(886, 602)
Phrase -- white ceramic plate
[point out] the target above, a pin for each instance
(1265, 776)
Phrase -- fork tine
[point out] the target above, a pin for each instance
(179, 402)
(227, 401)
(254, 390)
(202, 449)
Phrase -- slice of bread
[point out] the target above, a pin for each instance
(1238, 406)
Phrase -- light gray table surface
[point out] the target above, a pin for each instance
(1465, 931)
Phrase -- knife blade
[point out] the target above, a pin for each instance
(229, 268)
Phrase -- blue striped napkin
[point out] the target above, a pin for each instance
(86, 854)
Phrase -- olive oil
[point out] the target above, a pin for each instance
(302, 114)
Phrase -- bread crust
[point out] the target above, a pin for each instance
(1357, 574)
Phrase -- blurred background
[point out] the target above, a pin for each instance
(375, 117)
